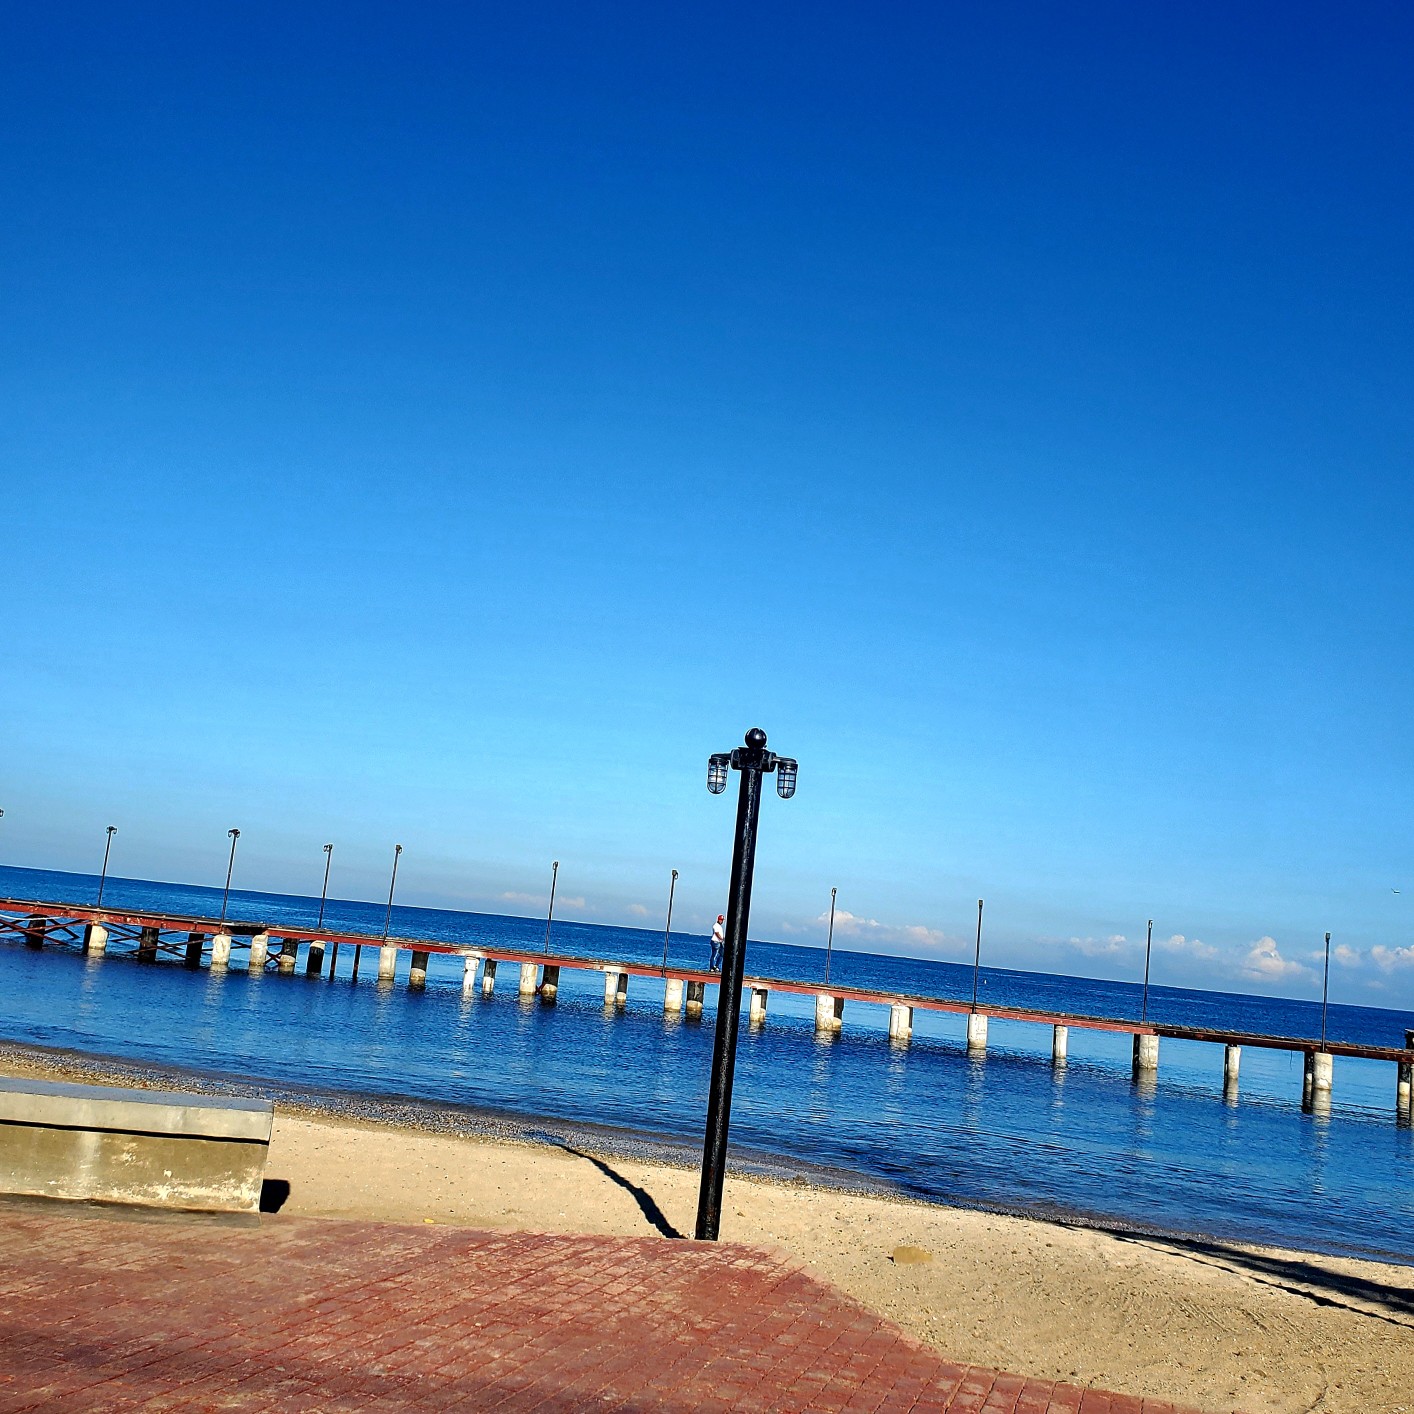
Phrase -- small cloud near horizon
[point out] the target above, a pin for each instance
(1265, 963)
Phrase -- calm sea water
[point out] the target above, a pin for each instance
(926, 1119)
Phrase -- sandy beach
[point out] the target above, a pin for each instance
(1213, 1324)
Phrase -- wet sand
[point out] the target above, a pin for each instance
(1214, 1324)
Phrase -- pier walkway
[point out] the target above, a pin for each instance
(198, 940)
(100, 1310)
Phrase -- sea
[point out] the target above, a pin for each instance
(926, 1120)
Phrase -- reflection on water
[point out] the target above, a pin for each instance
(1176, 1150)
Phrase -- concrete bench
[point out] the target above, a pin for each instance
(156, 1148)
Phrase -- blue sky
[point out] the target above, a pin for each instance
(449, 425)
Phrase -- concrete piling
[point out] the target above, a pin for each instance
(672, 996)
(900, 1021)
(1318, 1075)
(1232, 1064)
(696, 994)
(259, 952)
(758, 1004)
(221, 951)
(147, 945)
(34, 932)
(1404, 1085)
(1146, 1053)
(488, 976)
(550, 982)
(1060, 1044)
(387, 962)
(288, 956)
(977, 1032)
(314, 959)
(529, 978)
(469, 974)
(417, 970)
(196, 942)
(829, 1013)
(615, 987)
(95, 940)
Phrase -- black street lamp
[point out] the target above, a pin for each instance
(324, 894)
(392, 884)
(753, 761)
(1148, 948)
(550, 916)
(976, 961)
(103, 877)
(1325, 991)
(830, 936)
(668, 927)
(230, 865)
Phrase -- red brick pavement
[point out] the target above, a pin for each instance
(102, 1312)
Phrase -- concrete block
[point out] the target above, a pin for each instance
(314, 959)
(529, 978)
(34, 931)
(900, 1021)
(417, 969)
(672, 996)
(758, 1004)
(1232, 1064)
(550, 982)
(148, 1147)
(1060, 1044)
(615, 987)
(696, 994)
(147, 945)
(469, 974)
(488, 976)
(259, 952)
(976, 1031)
(1146, 1053)
(287, 957)
(829, 1012)
(196, 944)
(95, 939)
(221, 950)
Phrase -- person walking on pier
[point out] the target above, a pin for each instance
(719, 938)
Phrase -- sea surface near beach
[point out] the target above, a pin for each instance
(928, 1121)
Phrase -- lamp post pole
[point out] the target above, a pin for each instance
(668, 927)
(1325, 991)
(230, 865)
(550, 914)
(753, 761)
(830, 936)
(392, 884)
(103, 877)
(977, 956)
(323, 896)
(1148, 948)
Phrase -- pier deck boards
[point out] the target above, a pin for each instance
(68, 918)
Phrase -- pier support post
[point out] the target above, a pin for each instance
(696, 993)
(900, 1021)
(1316, 1081)
(1232, 1065)
(387, 962)
(469, 974)
(1404, 1085)
(829, 1013)
(615, 987)
(488, 976)
(95, 940)
(417, 970)
(528, 978)
(195, 943)
(758, 1004)
(289, 955)
(147, 945)
(1060, 1044)
(672, 996)
(221, 951)
(977, 1031)
(1146, 1053)
(550, 982)
(34, 932)
(259, 952)
(314, 960)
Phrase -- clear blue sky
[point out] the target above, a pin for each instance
(450, 424)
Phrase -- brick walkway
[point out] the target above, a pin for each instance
(99, 1312)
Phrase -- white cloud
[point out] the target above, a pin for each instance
(1112, 946)
(883, 935)
(1264, 962)
(539, 901)
(1347, 956)
(1387, 959)
(1188, 947)
(638, 910)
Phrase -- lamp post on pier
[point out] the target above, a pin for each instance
(550, 915)
(323, 896)
(392, 884)
(830, 936)
(753, 761)
(1148, 948)
(977, 957)
(230, 865)
(668, 927)
(1325, 991)
(103, 877)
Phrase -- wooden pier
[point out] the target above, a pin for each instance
(195, 940)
